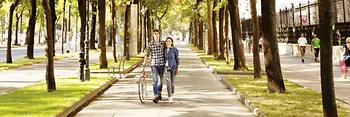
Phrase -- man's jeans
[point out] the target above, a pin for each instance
(157, 71)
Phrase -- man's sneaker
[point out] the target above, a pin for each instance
(170, 100)
(159, 96)
(155, 100)
(302, 60)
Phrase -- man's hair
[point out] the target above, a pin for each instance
(155, 30)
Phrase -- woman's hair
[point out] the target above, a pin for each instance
(347, 39)
(172, 41)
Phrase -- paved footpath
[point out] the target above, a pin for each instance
(198, 93)
(33, 74)
(308, 74)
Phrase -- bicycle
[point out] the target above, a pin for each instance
(142, 85)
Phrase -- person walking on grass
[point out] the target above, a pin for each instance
(171, 66)
(302, 42)
(155, 49)
(315, 45)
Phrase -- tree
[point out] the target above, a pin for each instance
(239, 59)
(272, 60)
(8, 54)
(93, 24)
(102, 37)
(53, 18)
(210, 28)
(221, 32)
(113, 30)
(228, 57)
(82, 13)
(127, 32)
(327, 81)
(50, 77)
(215, 32)
(64, 26)
(31, 30)
(139, 20)
(256, 56)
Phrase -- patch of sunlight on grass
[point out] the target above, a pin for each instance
(111, 62)
(297, 102)
(195, 49)
(20, 103)
(26, 62)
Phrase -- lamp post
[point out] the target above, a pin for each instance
(143, 11)
(87, 70)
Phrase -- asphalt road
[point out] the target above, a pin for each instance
(18, 53)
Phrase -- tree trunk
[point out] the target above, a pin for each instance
(327, 81)
(215, 32)
(221, 34)
(236, 36)
(139, 42)
(210, 28)
(149, 26)
(53, 18)
(227, 39)
(102, 37)
(127, 33)
(50, 77)
(31, 30)
(82, 13)
(201, 36)
(63, 26)
(16, 31)
(196, 27)
(190, 33)
(8, 54)
(113, 31)
(256, 56)
(272, 60)
(93, 26)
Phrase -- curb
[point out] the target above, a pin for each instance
(245, 101)
(78, 105)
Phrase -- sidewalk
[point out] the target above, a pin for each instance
(29, 75)
(198, 93)
(308, 74)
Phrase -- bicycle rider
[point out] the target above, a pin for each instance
(155, 48)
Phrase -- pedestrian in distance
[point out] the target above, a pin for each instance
(346, 58)
(249, 42)
(302, 43)
(155, 49)
(315, 45)
(171, 54)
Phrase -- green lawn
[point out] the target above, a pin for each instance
(26, 62)
(218, 65)
(128, 63)
(35, 101)
(298, 102)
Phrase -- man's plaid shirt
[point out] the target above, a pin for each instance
(157, 53)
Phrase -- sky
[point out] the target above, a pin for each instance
(245, 8)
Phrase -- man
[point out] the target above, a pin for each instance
(156, 50)
(315, 44)
(302, 42)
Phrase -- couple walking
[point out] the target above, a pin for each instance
(164, 60)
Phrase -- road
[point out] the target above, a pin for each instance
(18, 53)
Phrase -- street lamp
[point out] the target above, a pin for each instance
(143, 11)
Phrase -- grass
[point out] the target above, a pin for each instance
(298, 102)
(35, 101)
(127, 63)
(26, 62)
(218, 65)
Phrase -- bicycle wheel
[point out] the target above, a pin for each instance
(142, 89)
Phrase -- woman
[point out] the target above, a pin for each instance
(171, 66)
(346, 56)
